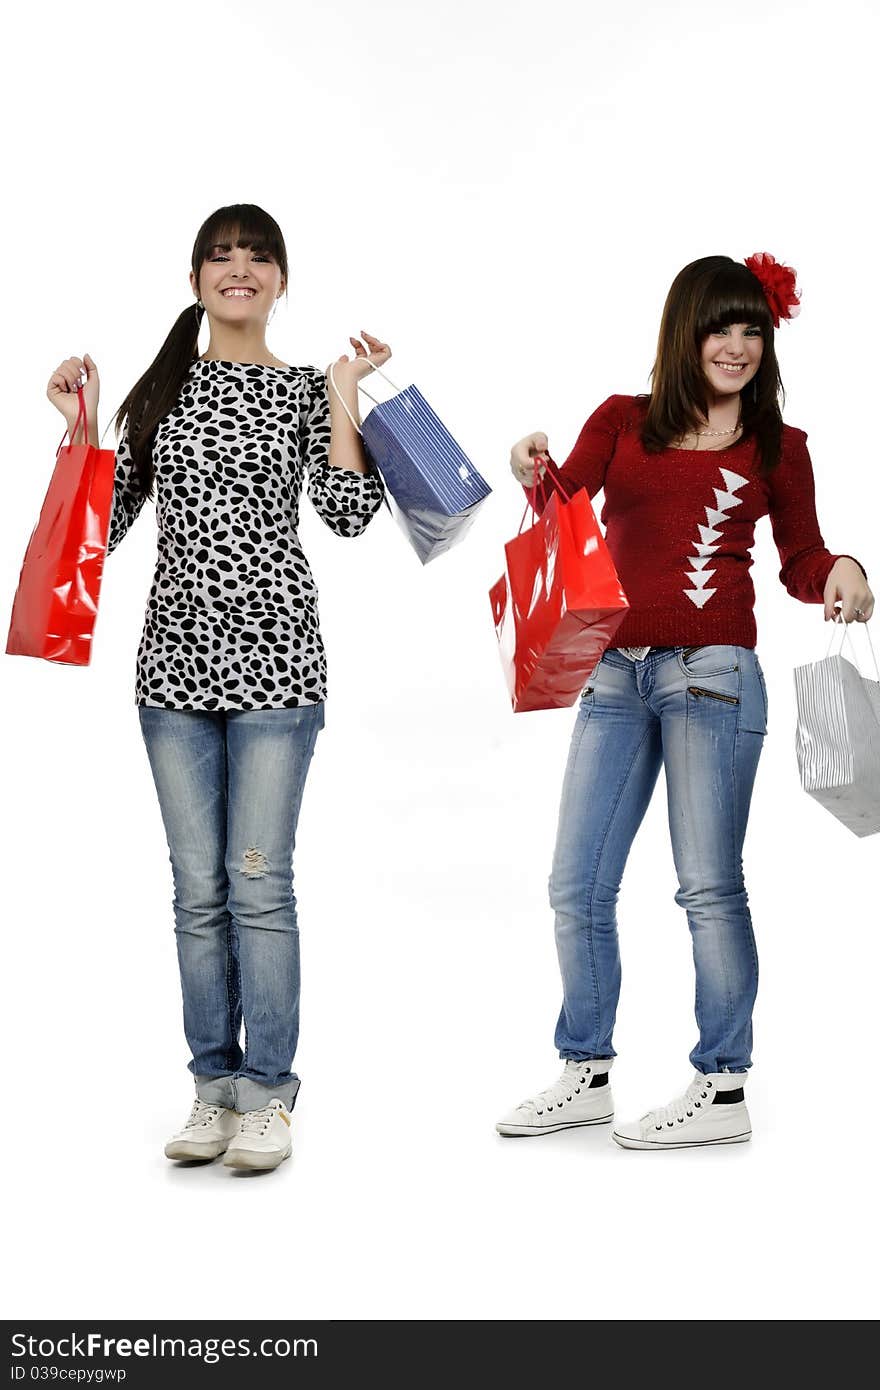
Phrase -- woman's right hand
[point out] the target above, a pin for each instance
(525, 454)
(65, 384)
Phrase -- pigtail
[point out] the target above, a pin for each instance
(157, 392)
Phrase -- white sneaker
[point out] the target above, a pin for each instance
(206, 1133)
(581, 1096)
(711, 1111)
(263, 1141)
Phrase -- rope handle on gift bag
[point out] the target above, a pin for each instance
(80, 418)
(81, 415)
(847, 638)
(372, 398)
(533, 491)
(360, 387)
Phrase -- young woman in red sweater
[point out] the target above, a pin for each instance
(687, 472)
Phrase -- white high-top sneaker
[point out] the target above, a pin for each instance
(206, 1133)
(263, 1141)
(581, 1096)
(711, 1111)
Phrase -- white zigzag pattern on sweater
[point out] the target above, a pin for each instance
(724, 500)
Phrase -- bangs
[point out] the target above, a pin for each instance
(734, 296)
(244, 225)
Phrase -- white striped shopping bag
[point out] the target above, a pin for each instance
(838, 737)
(434, 484)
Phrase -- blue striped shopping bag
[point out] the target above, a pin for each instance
(434, 484)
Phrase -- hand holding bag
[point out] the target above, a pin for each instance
(56, 602)
(434, 484)
(838, 737)
(558, 604)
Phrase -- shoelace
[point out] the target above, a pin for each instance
(257, 1121)
(572, 1081)
(202, 1114)
(683, 1107)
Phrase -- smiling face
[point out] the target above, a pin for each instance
(731, 357)
(238, 284)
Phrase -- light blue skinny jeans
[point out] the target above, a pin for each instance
(230, 784)
(701, 714)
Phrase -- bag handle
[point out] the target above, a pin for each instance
(80, 418)
(348, 412)
(361, 387)
(533, 491)
(846, 638)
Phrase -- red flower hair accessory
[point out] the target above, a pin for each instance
(778, 283)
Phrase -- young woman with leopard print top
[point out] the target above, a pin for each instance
(231, 674)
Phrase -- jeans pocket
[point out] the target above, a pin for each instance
(612, 657)
(705, 662)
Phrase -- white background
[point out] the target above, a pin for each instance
(504, 192)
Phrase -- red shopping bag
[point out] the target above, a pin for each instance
(56, 602)
(558, 605)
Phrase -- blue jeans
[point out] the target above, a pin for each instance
(230, 784)
(701, 713)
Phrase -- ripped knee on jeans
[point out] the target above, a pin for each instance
(254, 864)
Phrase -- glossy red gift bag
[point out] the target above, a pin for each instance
(56, 603)
(558, 605)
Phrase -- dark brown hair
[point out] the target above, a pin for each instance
(151, 398)
(706, 295)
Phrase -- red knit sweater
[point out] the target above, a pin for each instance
(680, 527)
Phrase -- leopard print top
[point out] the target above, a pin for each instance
(232, 615)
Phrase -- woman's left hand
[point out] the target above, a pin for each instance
(847, 583)
(375, 354)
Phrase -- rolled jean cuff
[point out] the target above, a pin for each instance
(570, 1055)
(241, 1093)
